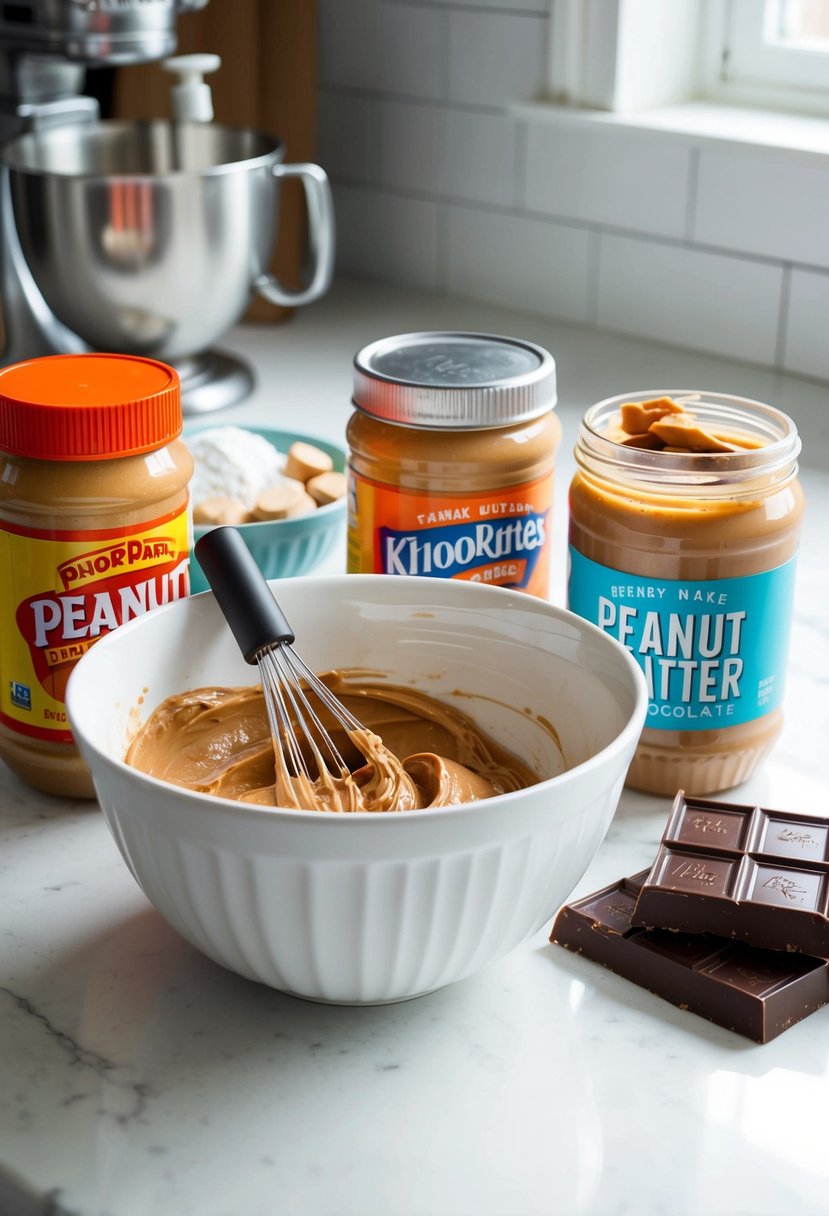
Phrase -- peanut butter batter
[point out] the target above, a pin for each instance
(415, 751)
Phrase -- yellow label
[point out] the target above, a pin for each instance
(61, 591)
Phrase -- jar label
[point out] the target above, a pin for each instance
(499, 537)
(61, 591)
(713, 651)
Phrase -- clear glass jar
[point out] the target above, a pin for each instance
(688, 560)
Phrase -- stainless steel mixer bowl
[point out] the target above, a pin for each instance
(150, 238)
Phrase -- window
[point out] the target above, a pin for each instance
(623, 55)
(773, 52)
(628, 55)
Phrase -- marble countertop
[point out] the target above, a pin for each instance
(141, 1079)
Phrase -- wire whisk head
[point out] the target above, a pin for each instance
(295, 723)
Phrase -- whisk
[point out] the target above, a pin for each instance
(266, 640)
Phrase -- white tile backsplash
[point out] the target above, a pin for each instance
(480, 157)
(496, 58)
(347, 136)
(413, 46)
(386, 237)
(413, 144)
(524, 6)
(349, 40)
(806, 348)
(607, 178)
(689, 298)
(527, 264)
(442, 184)
(775, 206)
(462, 154)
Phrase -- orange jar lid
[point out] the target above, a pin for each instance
(88, 407)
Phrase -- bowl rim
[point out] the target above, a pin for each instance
(274, 154)
(330, 508)
(253, 811)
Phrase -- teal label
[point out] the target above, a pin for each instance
(713, 651)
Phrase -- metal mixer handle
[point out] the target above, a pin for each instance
(321, 236)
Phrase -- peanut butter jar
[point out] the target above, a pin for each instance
(688, 558)
(452, 454)
(94, 531)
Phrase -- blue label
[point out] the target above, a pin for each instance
(21, 695)
(511, 546)
(713, 651)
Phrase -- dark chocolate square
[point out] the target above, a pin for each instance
(710, 827)
(759, 972)
(786, 887)
(696, 875)
(611, 910)
(801, 839)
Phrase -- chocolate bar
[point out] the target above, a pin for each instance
(757, 993)
(741, 871)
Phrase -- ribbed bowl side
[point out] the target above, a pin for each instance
(562, 853)
(280, 556)
(361, 932)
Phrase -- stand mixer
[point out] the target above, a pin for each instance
(141, 237)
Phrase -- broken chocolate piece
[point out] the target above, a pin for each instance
(756, 993)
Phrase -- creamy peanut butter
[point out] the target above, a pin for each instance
(415, 751)
(685, 554)
(452, 454)
(94, 531)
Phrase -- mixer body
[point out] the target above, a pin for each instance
(145, 237)
(93, 31)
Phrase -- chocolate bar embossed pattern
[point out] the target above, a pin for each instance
(757, 993)
(756, 875)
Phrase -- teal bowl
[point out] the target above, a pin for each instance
(284, 548)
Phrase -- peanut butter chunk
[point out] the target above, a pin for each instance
(647, 440)
(305, 461)
(215, 511)
(685, 433)
(326, 488)
(638, 416)
(281, 501)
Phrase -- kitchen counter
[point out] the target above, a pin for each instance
(141, 1079)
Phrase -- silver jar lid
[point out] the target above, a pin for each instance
(461, 381)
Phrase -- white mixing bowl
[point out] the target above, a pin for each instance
(369, 908)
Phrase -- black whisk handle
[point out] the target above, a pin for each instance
(241, 592)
